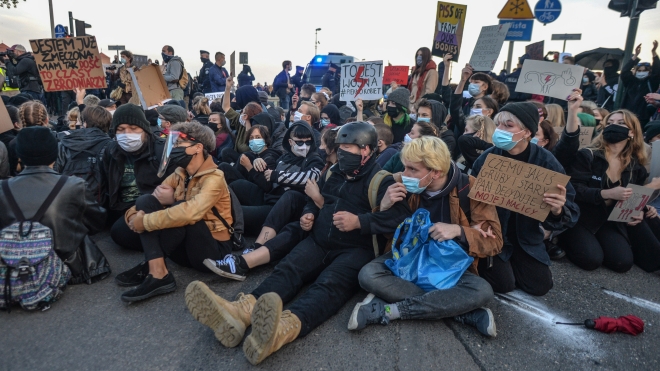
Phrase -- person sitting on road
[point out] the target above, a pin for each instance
(419, 129)
(182, 219)
(253, 163)
(224, 138)
(477, 138)
(524, 262)
(434, 181)
(340, 244)
(169, 115)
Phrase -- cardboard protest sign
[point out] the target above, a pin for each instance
(516, 186)
(449, 23)
(398, 74)
(5, 119)
(150, 86)
(634, 206)
(232, 64)
(212, 96)
(488, 47)
(362, 80)
(69, 63)
(586, 133)
(655, 160)
(549, 79)
(535, 50)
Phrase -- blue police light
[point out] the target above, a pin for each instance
(319, 60)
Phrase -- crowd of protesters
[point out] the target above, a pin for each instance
(321, 182)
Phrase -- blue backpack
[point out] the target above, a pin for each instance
(31, 273)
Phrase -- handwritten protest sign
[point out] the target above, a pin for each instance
(5, 119)
(398, 74)
(150, 86)
(549, 79)
(361, 80)
(634, 206)
(449, 23)
(516, 186)
(68, 63)
(488, 47)
(586, 133)
(212, 96)
(655, 160)
(535, 50)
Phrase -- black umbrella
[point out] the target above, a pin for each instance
(594, 59)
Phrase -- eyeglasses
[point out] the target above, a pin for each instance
(303, 142)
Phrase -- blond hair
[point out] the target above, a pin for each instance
(72, 117)
(555, 115)
(483, 124)
(505, 116)
(429, 150)
(634, 146)
(201, 106)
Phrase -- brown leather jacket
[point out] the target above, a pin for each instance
(206, 189)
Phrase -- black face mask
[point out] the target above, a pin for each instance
(179, 157)
(615, 133)
(392, 111)
(349, 163)
(204, 60)
(609, 71)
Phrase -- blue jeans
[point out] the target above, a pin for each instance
(471, 292)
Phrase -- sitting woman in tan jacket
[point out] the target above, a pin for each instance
(182, 218)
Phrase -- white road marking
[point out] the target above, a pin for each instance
(655, 307)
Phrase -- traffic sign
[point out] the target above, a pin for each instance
(567, 36)
(116, 47)
(520, 30)
(516, 9)
(547, 11)
(60, 31)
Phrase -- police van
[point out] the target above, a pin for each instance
(319, 65)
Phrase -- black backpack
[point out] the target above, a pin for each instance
(87, 165)
(12, 80)
(237, 228)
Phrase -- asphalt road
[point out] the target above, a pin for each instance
(91, 329)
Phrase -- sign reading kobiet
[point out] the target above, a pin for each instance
(69, 63)
(363, 80)
(516, 186)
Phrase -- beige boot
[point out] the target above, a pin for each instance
(271, 329)
(227, 319)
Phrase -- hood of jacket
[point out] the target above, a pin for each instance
(438, 113)
(82, 139)
(264, 119)
(287, 135)
(245, 95)
(176, 58)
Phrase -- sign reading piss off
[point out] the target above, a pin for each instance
(69, 63)
(516, 186)
(449, 23)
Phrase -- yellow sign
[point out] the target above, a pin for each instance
(449, 23)
(516, 9)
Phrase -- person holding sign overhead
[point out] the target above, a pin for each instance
(524, 262)
(602, 174)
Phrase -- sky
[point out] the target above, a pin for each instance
(273, 31)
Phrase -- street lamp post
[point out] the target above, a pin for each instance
(52, 22)
(316, 40)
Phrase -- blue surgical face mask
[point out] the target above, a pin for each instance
(123, 61)
(325, 122)
(412, 184)
(504, 140)
(407, 139)
(413, 116)
(419, 60)
(160, 124)
(257, 145)
(474, 90)
(424, 119)
(476, 112)
(534, 140)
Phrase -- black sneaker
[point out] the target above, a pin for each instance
(554, 251)
(228, 267)
(150, 287)
(133, 276)
(369, 311)
(482, 319)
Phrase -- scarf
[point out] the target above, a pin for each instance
(420, 81)
(403, 121)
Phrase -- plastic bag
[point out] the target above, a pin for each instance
(420, 259)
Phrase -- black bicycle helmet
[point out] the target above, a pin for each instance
(358, 132)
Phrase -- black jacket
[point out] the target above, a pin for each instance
(606, 93)
(72, 216)
(469, 146)
(145, 163)
(511, 81)
(26, 68)
(636, 89)
(588, 176)
(203, 78)
(351, 195)
(331, 81)
(296, 81)
(566, 148)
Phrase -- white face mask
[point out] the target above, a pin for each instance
(130, 142)
(476, 112)
(407, 139)
(300, 151)
(241, 120)
(642, 74)
(297, 116)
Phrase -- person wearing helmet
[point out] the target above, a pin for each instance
(340, 243)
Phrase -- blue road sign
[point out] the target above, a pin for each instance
(547, 11)
(520, 30)
(60, 32)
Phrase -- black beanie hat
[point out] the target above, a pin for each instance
(526, 112)
(129, 114)
(36, 145)
(652, 129)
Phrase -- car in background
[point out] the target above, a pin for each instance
(319, 65)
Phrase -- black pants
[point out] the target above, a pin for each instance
(233, 172)
(287, 238)
(615, 246)
(334, 274)
(187, 246)
(521, 270)
(229, 155)
(255, 209)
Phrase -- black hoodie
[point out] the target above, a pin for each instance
(26, 68)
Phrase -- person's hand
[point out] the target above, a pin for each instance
(447, 59)
(136, 224)
(466, 72)
(164, 194)
(229, 84)
(80, 95)
(617, 193)
(484, 234)
(652, 97)
(636, 219)
(575, 100)
(638, 50)
(651, 212)
(260, 165)
(306, 222)
(359, 104)
(556, 201)
(312, 189)
(294, 101)
(345, 221)
(395, 193)
(267, 174)
(394, 85)
(245, 162)
(290, 86)
(443, 231)
(191, 116)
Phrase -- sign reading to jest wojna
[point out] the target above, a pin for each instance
(516, 186)
(69, 63)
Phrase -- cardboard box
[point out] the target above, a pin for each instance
(150, 86)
